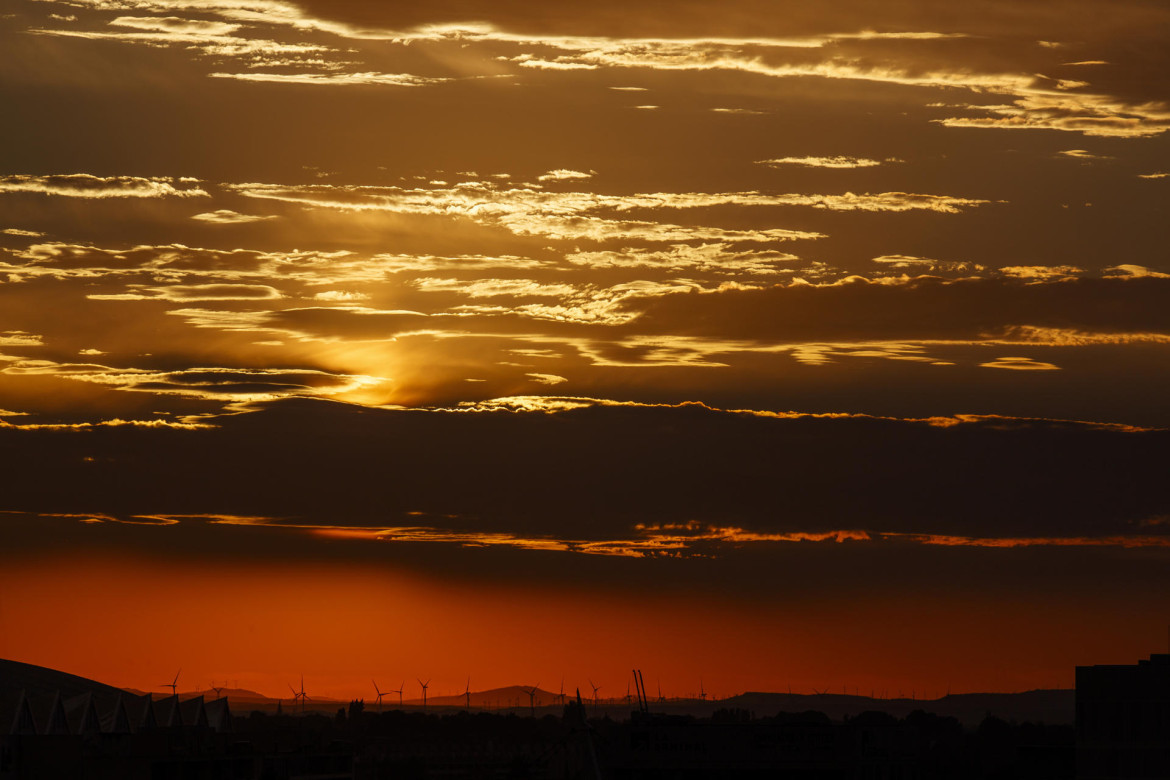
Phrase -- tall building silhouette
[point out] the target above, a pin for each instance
(1123, 720)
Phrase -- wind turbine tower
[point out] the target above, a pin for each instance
(596, 688)
(467, 694)
(173, 684)
(380, 695)
(532, 698)
(424, 690)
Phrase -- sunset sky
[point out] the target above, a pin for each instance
(768, 343)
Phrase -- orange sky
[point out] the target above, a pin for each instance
(134, 623)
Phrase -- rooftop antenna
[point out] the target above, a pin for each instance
(399, 692)
(380, 695)
(467, 693)
(173, 684)
(532, 698)
(596, 688)
(424, 689)
(640, 687)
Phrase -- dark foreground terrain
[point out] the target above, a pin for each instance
(54, 725)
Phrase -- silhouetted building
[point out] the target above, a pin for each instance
(44, 734)
(1123, 720)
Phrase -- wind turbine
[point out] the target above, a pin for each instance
(562, 693)
(424, 689)
(702, 692)
(532, 698)
(173, 684)
(300, 694)
(596, 688)
(218, 695)
(399, 692)
(627, 693)
(467, 693)
(380, 695)
(660, 696)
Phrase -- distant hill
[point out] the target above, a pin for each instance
(1047, 706)
(15, 676)
(510, 697)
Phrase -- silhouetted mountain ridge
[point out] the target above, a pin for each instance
(16, 675)
(1045, 705)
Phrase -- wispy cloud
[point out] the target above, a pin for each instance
(1084, 154)
(649, 540)
(84, 185)
(495, 288)
(1020, 364)
(193, 292)
(229, 217)
(839, 161)
(1086, 113)
(18, 338)
(1041, 272)
(561, 174)
(720, 258)
(333, 79)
